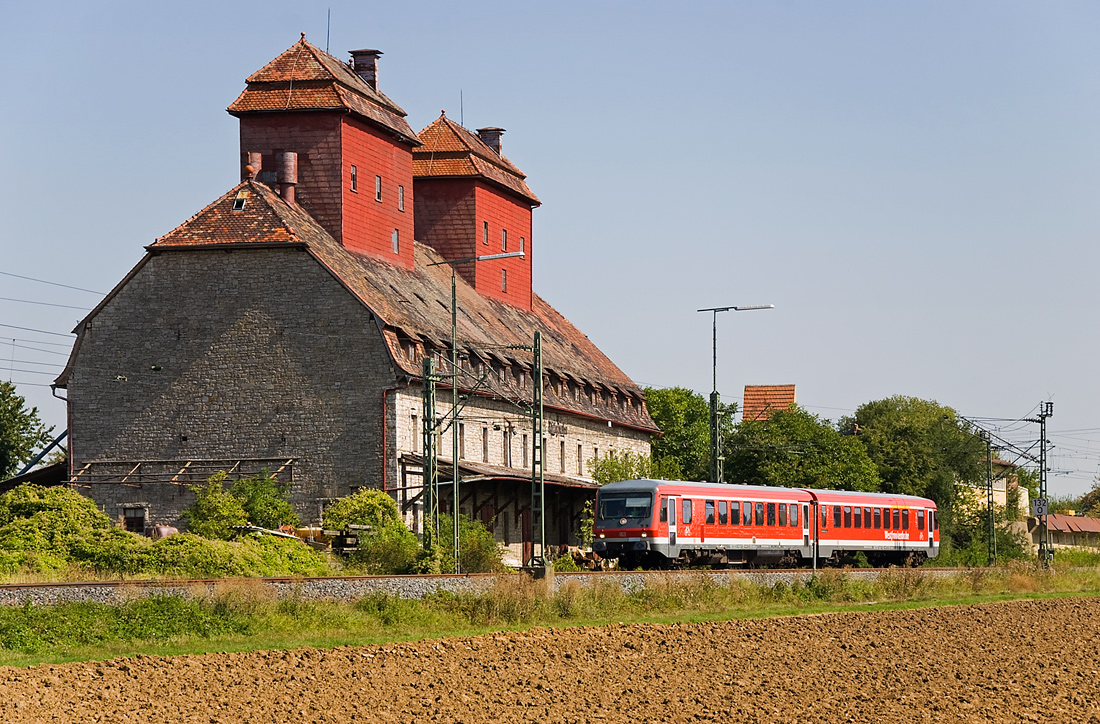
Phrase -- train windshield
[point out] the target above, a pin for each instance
(615, 506)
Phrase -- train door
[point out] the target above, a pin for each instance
(673, 506)
(928, 523)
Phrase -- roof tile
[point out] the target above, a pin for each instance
(762, 401)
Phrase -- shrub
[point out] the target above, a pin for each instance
(265, 500)
(214, 510)
(478, 551)
(366, 506)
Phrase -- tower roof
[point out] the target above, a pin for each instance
(305, 78)
(451, 151)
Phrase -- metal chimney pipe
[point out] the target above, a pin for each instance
(286, 174)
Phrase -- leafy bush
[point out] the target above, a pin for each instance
(478, 550)
(265, 500)
(214, 510)
(366, 506)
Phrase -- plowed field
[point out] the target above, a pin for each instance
(1003, 662)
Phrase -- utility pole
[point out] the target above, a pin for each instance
(716, 458)
(431, 462)
(991, 530)
(538, 486)
(1042, 505)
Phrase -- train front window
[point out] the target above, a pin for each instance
(632, 506)
(920, 520)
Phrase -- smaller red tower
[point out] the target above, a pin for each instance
(472, 201)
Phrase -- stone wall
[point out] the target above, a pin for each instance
(230, 355)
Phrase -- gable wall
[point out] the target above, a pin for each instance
(261, 354)
(446, 219)
(503, 212)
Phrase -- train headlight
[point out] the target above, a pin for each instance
(601, 535)
(643, 535)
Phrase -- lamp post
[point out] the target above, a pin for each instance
(456, 476)
(715, 436)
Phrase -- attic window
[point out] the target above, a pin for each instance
(400, 198)
(354, 179)
(485, 233)
(504, 240)
(242, 197)
(377, 188)
(503, 280)
(522, 244)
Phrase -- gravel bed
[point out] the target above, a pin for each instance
(411, 587)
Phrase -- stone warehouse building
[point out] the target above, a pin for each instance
(284, 326)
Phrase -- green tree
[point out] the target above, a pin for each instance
(21, 431)
(920, 447)
(215, 509)
(682, 451)
(797, 449)
(265, 500)
(389, 546)
(627, 465)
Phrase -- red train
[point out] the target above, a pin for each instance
(663, 523)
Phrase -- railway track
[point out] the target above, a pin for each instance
(411, 586)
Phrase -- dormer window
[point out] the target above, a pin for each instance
(241, 198)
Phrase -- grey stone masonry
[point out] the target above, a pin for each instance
(230, 355)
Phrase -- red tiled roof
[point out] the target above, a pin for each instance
(451, 151)
(762, 401)
(415, 304)
(1072, 523)
(305, 78)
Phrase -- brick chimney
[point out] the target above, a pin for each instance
(365, 65)
(491, 137)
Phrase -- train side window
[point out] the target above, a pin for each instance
(897, 519)
(878, 518)
(686, 517)
(920, 520)
(760, 514)
(794, 514)
(858, 518)
(886, 518)
(710, 512)
(722, 517)
(771, 513)
(836, 516)
(905, 519)
(935, 520)
(735, 513)
(782, 514)
(847, 516)
(664, 510)
(746, 513)
(866, 517)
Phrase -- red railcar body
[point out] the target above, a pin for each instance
(657, 523)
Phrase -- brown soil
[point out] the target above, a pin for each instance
(1005, 662)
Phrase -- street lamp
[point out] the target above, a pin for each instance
(456, 476)
(715, 436)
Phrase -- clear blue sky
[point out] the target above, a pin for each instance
(913, 185)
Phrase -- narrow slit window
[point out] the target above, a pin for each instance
(400, 198)
(377, 188)
(485, 233)
(396, 242)
(504, 240)
(523, 245)
(503, 280)
(354, 179)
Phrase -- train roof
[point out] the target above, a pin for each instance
(766, 491)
